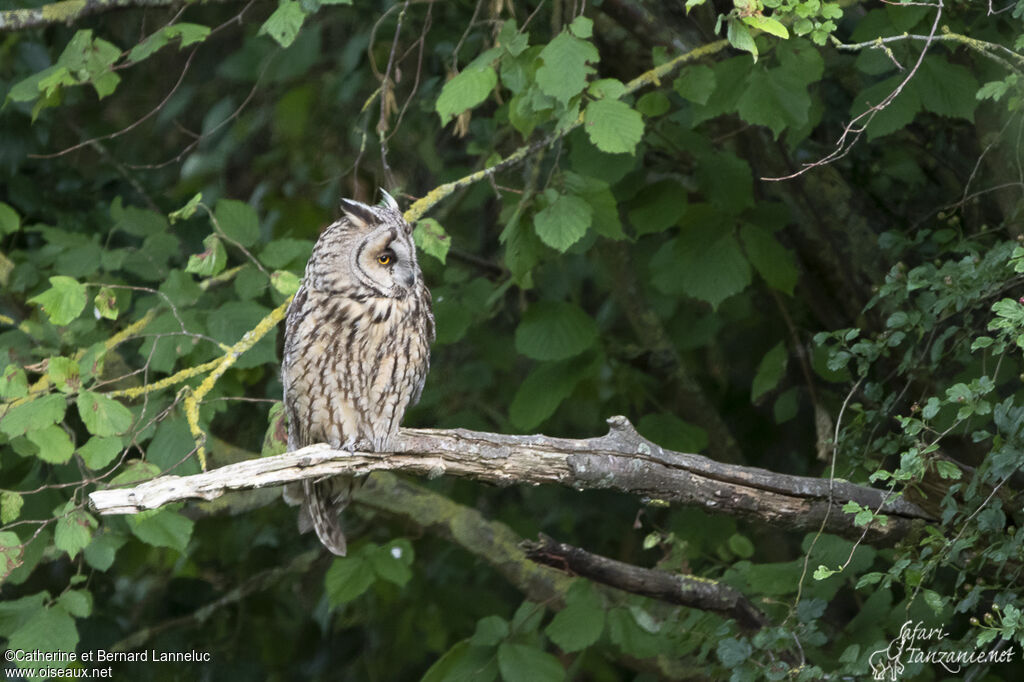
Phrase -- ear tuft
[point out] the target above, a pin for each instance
(359, 214)
(389, 200)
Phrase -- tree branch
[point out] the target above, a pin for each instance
(621, 460)
(70, 11)
(686, 590)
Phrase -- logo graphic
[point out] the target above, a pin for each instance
(919, 644)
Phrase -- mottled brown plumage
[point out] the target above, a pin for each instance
(356, 349)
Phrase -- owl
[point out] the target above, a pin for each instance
(356, 350)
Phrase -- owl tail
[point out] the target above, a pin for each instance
(322, 503)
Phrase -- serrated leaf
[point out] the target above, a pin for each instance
(773, 262)
(9, 220)
(64, 374)
(211, 261)
(53, 443)
(604, 207)
(10, 506)
(613, 126)
(554, 330)
(671, 432)
(464, 663)
(564, 71)
(103, 416)
(522, 663)
(101, 551)
(740, 38)
(74, 531)
(50, 628)
(33, 415)
(346, 579)
(564, 221)
(941, 86)
(657, 206)
(704, 262)
(543, 390)
(238, 221)
(431, 238)
(63, 301)
(695, 83)
(284, 24)
(106, 303)
(13, 383)
(12, 553)
(580, 623)
(162, 528)
(76, 602)
(99, 451)
(770, 371)
(466, 90)
(767, 24)
(186, 211)
(490, 631)
(286, 283)
(388, 567)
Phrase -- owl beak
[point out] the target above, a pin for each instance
(408, 279)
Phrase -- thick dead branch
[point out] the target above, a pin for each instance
(621, 460)
(69, 11)
(685, 590)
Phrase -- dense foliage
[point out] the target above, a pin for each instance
(783, 234)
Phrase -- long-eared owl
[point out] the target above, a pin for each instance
(356, 349)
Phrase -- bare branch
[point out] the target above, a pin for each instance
(621, 460)
(69, 11)
(686, 590)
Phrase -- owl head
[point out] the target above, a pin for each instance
(369, 251)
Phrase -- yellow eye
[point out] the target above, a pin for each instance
(384, 258)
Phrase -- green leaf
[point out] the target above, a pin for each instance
(9, 220)
(704, 262)
(106, 303)
(103, 416)
(161, 528)
(63, 301)
(673, 433)
(582, 27)
(555, 330)
(134, 471)
(33, 415)
(740, 38)
(238, 221)
(564, 221)
(99, 451)
(490, 631)
(284, 282)
(392, 562)
(346, 579)
(941, 86)
(767, 24)
(564, 72)
(64, 373)
(511, 39)
(604, 208)
(733, 652)
(522, 663)
(101, 551)
(695, 83)
(50, 628)
(76, 602)
(10, 506)
(74, 531)
(284, 24)
(613, 126)
(12, 556)
(657, 207)
(211, 261)
(53, 443)
(770, 371)
(653, 104)
(431, 238)
(543, 390)
(464, 663)
(13, 383)
(466, 90)
(632, 639)
(581, 622)
(186, 211)
(773, 262)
